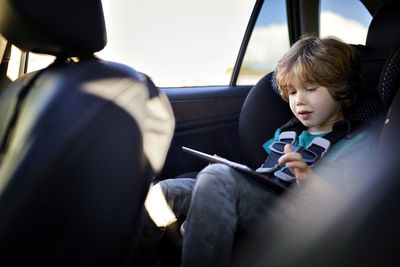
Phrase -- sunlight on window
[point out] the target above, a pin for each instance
(13, 64)
(35, 62)
(182, 43)
(269, 41)
(39, 61)
(266, 47)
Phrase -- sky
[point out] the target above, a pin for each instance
(181, 41)
(185, 42)
(350, 9)
(270, 42)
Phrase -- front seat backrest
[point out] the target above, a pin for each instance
(79, 141)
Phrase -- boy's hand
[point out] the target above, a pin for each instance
(297, 165)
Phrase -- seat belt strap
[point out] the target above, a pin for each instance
(277, 150)
(316, 150)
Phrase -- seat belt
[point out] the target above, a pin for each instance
(315, 151)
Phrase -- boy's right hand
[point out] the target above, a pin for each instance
(297, 165)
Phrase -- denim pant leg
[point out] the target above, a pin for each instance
(224, 200)
(177, 193)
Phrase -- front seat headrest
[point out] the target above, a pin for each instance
(68, 28)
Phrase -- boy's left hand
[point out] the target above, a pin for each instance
(297, 165)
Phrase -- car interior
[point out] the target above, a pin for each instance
(234, 115)
(74, 170)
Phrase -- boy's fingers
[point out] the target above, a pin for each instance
(296, 165)
(284, 158)
(287, 149)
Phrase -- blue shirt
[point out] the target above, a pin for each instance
(344, 158)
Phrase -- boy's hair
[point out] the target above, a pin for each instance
(327, 62)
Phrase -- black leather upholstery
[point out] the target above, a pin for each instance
(72, 28)
(74, 169)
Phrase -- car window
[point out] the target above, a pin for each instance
(13, 64)
(35, 62)
(268, 42)
(175, 42)
(39, 61)
(346, 19)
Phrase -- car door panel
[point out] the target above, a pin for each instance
(207, 120)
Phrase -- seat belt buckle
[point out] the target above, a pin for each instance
(279, 147)
(288, 136)
(321, 142)
(285, 175)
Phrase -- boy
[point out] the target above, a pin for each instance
(317, 77)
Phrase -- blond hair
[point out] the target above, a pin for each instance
(327, 62)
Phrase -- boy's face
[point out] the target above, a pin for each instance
(314, 106)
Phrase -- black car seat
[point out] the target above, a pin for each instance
(79, 141)
(360, 229)
(383, 37)
(263, 111)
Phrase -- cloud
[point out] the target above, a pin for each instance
(178, 46)
(350, 31)
(178, 42)
(269, 43)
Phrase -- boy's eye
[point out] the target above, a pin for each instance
(292, 92)
(311, 89)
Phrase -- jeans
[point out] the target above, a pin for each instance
(152, 238)
(224, 202)
(220, 203)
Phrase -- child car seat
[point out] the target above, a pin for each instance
(263, 112)
(360, 229)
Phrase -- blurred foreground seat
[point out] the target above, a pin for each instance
(80, 141)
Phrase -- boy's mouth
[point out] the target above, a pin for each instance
(304, 114)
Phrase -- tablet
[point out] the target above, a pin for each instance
(240, 167)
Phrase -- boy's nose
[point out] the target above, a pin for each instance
(300, 99)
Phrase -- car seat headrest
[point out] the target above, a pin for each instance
(384, 30)
(68, 28)
(374, 110)
(383, 36)
(262, 113)
(390, 78)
